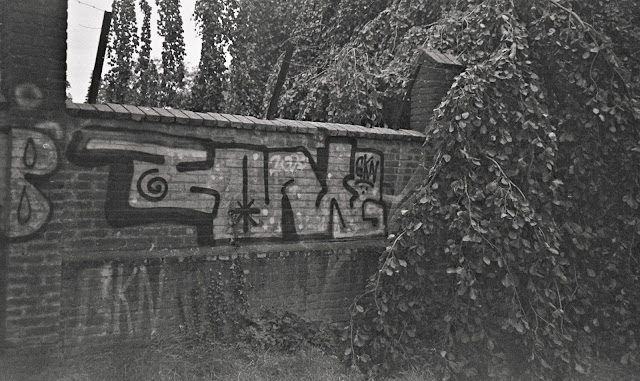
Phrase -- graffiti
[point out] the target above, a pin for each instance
(156, 185)
(245, 210)
(120, 299)
(288, 163)
(28, 95)
(142, 297)
(230, 191)
(33, 158)
(367, 169)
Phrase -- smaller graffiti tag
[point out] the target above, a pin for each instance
(245, 211)
(367, 169)
(157, 187)
(287, 164)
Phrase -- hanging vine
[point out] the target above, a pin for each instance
(520, 255)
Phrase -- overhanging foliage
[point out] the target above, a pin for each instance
(521, 253)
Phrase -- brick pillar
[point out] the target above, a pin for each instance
(4, 202)
(34, 53)
(435, 77)
(33, 36)
(4, 175)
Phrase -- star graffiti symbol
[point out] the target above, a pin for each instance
(245, 211)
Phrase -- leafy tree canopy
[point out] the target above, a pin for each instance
(123, 45)
(521, 251)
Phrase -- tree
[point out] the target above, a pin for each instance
(521, 251)
(123, 45)
(255, 49)
(216, 22)
(346, 56)
(146, 69)
(170, 29)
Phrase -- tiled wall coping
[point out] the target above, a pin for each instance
(209, 119)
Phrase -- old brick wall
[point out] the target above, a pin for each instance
(118, 222)
(437, 73)
(32, 96)
(125, 222)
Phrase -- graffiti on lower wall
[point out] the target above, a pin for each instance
(33, 158)
(146, 297)
(237, 192)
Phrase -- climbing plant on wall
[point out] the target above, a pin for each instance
(521, 252)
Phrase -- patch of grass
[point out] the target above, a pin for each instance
(180, 360)
(184, 360)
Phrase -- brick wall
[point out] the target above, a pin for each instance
(437, 73)
(32, 95)
(122, 220)
(117, 221)
(33, 53)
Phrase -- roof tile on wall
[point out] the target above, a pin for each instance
(103, 110)
(119, 111)
(149, 114)
(221, 120)
(207, 119)
(181, 118)
(245, 122)
(235, 122)
(136, 114)
(165, 116)
(194, 119)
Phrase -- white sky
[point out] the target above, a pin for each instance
(83, 34)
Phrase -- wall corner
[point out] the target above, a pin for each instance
(434, 79)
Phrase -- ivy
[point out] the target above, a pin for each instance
(520, 255)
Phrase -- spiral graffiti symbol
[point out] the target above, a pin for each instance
(157, 187)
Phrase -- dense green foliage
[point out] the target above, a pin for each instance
(521, 252)
(216, 21)
(123, 45)
(262, 29)
(173, 71)
(135, 77)
(332, 68)
(146, 70)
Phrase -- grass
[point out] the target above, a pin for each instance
(165, 361)
(185, 361)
